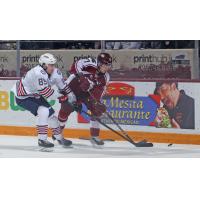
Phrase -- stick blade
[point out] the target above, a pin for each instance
(144, 144)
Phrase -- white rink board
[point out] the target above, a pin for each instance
(9, 117)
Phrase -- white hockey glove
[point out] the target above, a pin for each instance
(71, 97)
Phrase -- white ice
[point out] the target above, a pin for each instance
(26, 146)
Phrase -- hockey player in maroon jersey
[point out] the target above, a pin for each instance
(87, 82)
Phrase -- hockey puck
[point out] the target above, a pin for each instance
(169, 145)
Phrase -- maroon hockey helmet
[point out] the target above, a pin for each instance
(104, 59)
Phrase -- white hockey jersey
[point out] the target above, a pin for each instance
(85, 66)
(38, 83)
(88, 66)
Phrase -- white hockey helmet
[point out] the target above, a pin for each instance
(47, 58)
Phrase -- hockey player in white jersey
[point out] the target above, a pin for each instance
(32, 93)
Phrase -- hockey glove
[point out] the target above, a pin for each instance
(62, 99)
(96, 107)
(71, 97)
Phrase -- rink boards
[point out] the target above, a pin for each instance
(138, 123)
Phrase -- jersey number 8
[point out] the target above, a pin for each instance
(42, 81)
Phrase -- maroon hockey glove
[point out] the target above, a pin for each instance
(97, 108)
(62, 99)
(100, 108)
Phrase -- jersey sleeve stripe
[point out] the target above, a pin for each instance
(77, 68)
(66, 89)
(49, 94)
(20, 89)
(24, 91)
(46, 92)
(46, 88)
(19, 93)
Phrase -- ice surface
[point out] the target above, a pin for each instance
(26, 146)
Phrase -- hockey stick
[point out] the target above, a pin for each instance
(105, 125)
(122, 130)
(137, 144)
(143, 143)
(108, 127)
